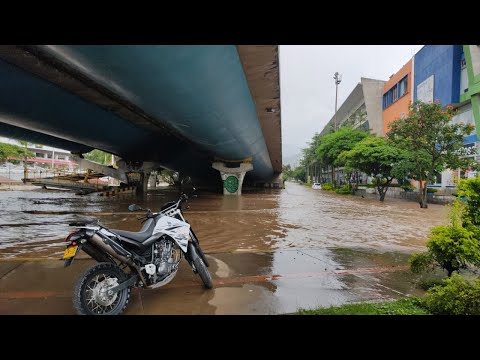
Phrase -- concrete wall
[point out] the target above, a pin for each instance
(373, 92)
(475, 54)
(398, 193)
(443, 62)
(399, 107)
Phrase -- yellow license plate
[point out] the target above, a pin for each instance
(70, 252)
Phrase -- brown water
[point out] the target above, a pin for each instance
(34, 223)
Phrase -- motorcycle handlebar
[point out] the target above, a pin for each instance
(183, 198)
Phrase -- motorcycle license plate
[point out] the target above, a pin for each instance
(70, 252)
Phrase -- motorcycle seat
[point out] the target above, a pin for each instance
(145, 232)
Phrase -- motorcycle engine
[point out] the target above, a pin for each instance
(166, 256)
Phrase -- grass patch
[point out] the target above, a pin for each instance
(409, 306)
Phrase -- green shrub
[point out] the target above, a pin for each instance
(452, 247)
(431, 190)
(421, 262)
(407, 187)
(327, 186)
(429, 283)
(455, 296)
(470, 189)
(343, 190)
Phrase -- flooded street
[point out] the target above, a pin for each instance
(271, 251)
(34, 223)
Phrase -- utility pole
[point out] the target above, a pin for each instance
(338, 79)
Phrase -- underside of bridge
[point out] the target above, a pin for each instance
(183, 107)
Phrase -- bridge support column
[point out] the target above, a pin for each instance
(138, 179)
(232, 177)
(152, 181)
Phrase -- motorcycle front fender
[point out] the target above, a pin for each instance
(191, 253)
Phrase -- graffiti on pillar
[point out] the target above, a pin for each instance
(231, 184)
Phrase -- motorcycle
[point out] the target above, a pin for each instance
(147, 259)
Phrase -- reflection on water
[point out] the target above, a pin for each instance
(296, 217)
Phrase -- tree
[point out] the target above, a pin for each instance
(310, 161)
(99, 157)
(434, 143)
(376, 157)
(299, 173)
(8, 150)
(167, 176)
(333, 144)
(287, 172)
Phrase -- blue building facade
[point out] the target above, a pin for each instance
(440, 74)
(437, 73)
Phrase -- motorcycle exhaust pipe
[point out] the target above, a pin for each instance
(98, 241)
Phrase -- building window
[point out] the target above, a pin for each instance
(39, 155)
(403, 86)
(438, 179)
(395, 93)
(463, 75)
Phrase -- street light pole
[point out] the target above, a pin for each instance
(338, 78)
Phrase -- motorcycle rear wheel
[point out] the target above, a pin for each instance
(90, 297)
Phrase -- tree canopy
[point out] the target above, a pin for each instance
(434, 143)
(376, 157)
(333, 144)
(9, 150)
(99, 156)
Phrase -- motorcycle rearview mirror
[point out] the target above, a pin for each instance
(134, 207)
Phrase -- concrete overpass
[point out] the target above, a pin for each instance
(182, 107)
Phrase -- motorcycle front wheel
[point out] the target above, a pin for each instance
(203, 272)
(91, 296)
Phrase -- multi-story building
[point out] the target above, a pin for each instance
(470, 91)
(397, 95)
(362, 108)
(450, 74)
(46, 155)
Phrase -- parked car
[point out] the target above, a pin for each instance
(316, 186)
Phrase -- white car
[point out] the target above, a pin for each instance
(317, 186)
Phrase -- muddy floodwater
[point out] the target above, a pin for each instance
(270, 251)
(34, 223)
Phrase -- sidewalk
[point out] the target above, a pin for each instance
(244, 283)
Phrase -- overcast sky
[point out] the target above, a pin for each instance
(308, 88)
